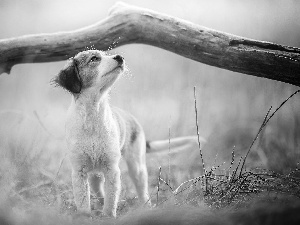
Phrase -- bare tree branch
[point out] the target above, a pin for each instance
(128, 24)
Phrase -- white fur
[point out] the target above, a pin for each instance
(98, 135)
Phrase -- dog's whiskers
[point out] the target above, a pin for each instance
(127, 72)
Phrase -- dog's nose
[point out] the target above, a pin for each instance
(119, 59)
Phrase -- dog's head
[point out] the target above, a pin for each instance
(90, 69)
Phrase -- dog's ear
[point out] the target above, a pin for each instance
(69, 79)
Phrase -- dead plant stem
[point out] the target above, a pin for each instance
(197, 126)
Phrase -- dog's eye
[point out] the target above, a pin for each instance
(94, 59)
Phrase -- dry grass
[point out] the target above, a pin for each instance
(35, 188)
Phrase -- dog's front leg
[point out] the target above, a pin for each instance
(112, 190)
(81, 192)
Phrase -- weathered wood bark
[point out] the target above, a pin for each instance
(128, 24)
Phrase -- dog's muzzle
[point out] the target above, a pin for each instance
(119, 59)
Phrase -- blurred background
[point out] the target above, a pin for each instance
(159, 89)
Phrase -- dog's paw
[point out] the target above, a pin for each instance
(109, 213)
(97, 204)
(97, 213)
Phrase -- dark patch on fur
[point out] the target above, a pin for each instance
(147, 146)
(133, 135)
(69, 79)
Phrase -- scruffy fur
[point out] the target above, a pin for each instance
(98, 135)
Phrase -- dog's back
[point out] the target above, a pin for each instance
(129, 129)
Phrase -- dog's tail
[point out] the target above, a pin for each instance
(174, 144)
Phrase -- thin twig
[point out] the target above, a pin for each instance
(54, 186)
(176, 192)
(194, 180)
(265, 122)
(169, 158)
(235, 171)
(260, 129)
(296, 92)
(158, 184)
(199, 144)
(232, 157)
(187, 181)
(60, 166)
(168, 184)
(214, 168)
(215, 160)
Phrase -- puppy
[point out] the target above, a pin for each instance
(98, 135)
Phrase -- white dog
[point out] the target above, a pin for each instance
(98, 134)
